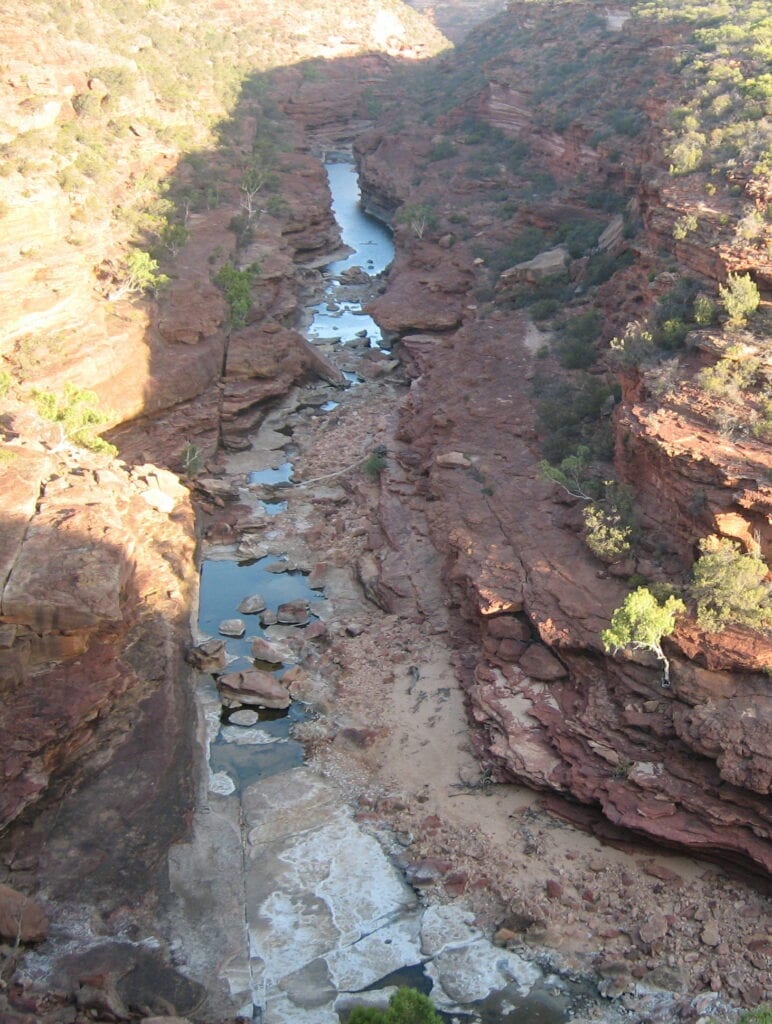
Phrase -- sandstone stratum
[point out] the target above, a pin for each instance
(573, 402)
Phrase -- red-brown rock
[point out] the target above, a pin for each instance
(22, 919)
(254, 686)
(539, 663)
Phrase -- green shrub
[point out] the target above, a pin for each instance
(761, 420)
(704, 310)
(543, 309)
(633, 347)
(142, 273)
(603, 265)
(569, 414)
(375, 463)
(173, 236)
(580, 238)
(684, 225)
(641, 622)
(733, 373)
(760, 1015)
(573, 474)
(419, 217)
(76, 411)
(236, 285)
(740, 297)
(524, 246)
(686, 154)
(729, 586)
(192, 460)
(575, 354)
(576, 347)
(606, 536)
(608, 531)
(406, 1006)
(442, 150)
(672, 334)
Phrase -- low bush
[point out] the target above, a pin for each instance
(732, 374)
(75, 410)
(606, 534)
(729, 587)
(740, 297)
(580, 238)
(569, 414)
(576, 347)
(543, 309)
(603, 265)
(406, 1006)
(236, 285)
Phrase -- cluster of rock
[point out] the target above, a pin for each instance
(259, 686)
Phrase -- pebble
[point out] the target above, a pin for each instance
(653, 930)
(232, 627)
(709, 935)
(244, 717)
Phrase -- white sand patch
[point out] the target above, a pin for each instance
(615, 20)
(534, 339)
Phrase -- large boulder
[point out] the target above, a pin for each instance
(253, 686)
(547, 264)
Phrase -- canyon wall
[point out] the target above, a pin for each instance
(467, 160)
(550, 706)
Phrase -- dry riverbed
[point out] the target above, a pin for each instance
(389, 731)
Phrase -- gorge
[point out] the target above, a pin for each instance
(454, 713)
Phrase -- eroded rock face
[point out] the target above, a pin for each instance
(551, 708)
(84, 579)
(427, 292)
(569, 720)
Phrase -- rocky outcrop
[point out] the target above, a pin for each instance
(263, 362)
(427, 292)
(550, 708)
(69, 622)
(21, 918)
(702, 481)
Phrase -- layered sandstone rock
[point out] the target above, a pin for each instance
(84, 578)
(662, 763)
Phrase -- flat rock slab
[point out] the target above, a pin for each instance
(208, 891)
(319, 889)
(21, 474)
(272, 653)
(84, 585)
(468, 974)
(293, 613)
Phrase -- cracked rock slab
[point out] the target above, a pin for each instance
(317, 886)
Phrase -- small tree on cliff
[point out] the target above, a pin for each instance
(641, 622)
(419, 217)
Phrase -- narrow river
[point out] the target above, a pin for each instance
(283, 904)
